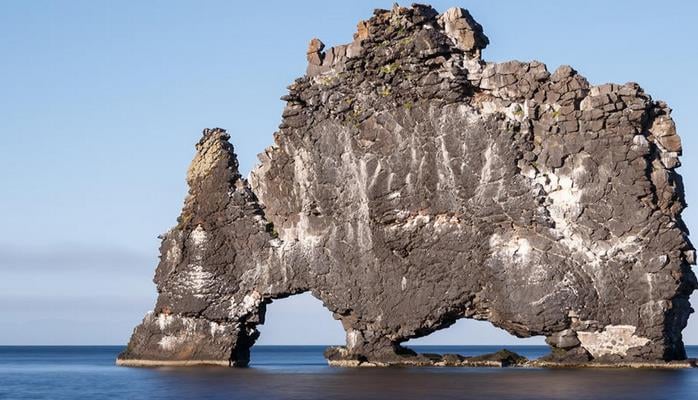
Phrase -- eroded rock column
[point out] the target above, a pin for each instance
(217, 270)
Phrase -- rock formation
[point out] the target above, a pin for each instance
(411, 184)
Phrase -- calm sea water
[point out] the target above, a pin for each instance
(300, 372)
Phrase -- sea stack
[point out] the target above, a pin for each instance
(411, 183)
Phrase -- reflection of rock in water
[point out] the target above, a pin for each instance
(412, 184)
(301, 382)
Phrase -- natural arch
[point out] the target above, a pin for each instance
(471, 338)
(300, 319)
(466, 332)
(411, 184)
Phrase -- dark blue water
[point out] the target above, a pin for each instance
(300, 372)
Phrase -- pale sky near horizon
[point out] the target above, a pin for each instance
(101, 104)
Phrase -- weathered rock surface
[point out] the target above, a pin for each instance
(411, 184)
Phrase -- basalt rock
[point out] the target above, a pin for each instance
(411, 184)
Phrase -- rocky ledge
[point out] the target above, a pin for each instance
(411, 184)
(340, 357)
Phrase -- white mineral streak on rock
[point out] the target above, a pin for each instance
(189, 324)
(353, 338)
(417, 220)
(391, 179)
(198, 237)
(406, 220)
(565, 206)
(472, 117)
(170, 342)
(403, 283)
(196, 279)
(511, 249)
(365, 238)
(442, 221)
(301, 230)
(523, 249)
(613, 340)
(517, 254)
(447, 178)
(522, 262)
(486, 172)
(250, 303)
(357, 191)
(216, 328)
(173, 255)
(164, 320)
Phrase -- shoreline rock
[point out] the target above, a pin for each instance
(411, 184)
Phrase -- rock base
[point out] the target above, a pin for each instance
(501, 359)
(690, 363)
(173, 363)
(339, 356)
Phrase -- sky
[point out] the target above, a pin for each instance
(101, 104)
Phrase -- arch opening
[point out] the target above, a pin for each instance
(293, 330)
(476, 338)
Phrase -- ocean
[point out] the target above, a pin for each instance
(300, 372)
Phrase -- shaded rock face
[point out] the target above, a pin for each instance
(411, 184)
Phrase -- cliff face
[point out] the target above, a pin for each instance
(411, 184)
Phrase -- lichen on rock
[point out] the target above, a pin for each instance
(411, 184)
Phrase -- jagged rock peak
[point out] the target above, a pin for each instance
(212, 175)
(411, 184)
(213, 152)
(465, 32)
(400, 26)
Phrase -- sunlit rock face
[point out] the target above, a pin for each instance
(411, 184)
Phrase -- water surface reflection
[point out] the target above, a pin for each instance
(301, 373)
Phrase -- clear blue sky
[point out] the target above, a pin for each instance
(101, 103)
